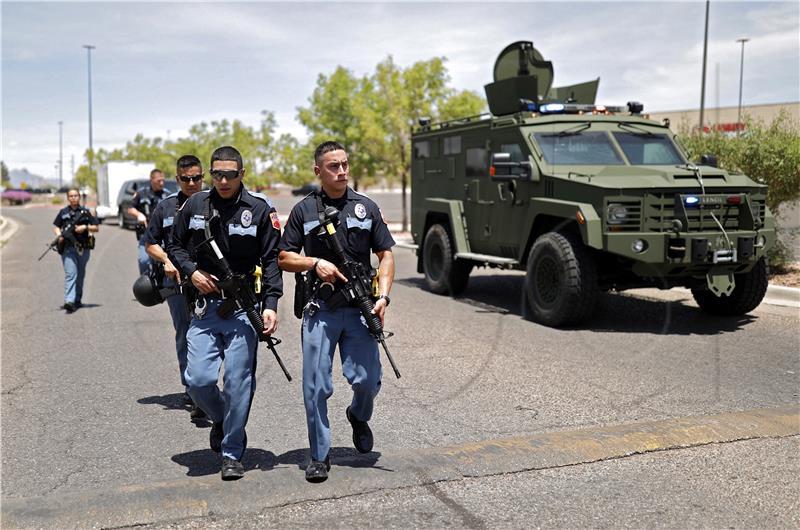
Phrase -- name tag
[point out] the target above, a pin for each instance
(167, 221)
(352, 222)
(309, 226)
(197, 223)
(239, 230)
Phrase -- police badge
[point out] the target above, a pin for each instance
(361, 212)
(247, 218)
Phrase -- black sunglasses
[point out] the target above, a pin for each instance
(190, 178)
(227, 174)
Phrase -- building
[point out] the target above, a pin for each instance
(725, 118)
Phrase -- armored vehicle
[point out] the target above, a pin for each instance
(583, 198)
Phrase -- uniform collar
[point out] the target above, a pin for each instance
(242, 197)
(349, 194)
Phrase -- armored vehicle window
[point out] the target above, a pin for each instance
(514, 150)
(422, 150)
(477, 162)
(452, 145)
(586, 148)
(648, 149)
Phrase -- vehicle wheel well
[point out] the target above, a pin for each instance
(549, 223)
(431, 219)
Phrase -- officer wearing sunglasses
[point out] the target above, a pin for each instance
(189, 176)
(246, 229)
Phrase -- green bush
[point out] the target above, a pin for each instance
(769, 154)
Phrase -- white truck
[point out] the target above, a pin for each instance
(110, 177)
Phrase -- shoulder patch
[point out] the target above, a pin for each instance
(276, 224)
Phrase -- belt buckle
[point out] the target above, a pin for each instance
(200, 307)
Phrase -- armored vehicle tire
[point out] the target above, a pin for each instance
(747, 294)
(121, 218)
(444, 274)
(561, 280)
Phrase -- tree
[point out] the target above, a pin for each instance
(408, 95)
(340, 109)
(5, 181)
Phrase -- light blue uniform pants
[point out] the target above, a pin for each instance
(143, 258)
(211, 340)
(74, 272)
(180, 321)
(361, 367)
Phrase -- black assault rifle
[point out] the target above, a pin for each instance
(237, 288)
(68, 234)
(358, 287)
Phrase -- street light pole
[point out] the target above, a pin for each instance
(89, 49)
(741, 77)
(60, 155)
(703, 81)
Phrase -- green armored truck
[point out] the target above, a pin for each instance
(584, 198)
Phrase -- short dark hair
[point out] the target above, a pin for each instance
(187, 161)
(75, 190)
(156, 170)
(326, 147)
(226, 152)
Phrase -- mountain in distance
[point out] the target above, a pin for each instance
(31, 180)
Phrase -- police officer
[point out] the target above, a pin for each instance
(144, 203)
(159, 230)
(73, 226)
(362, 231)
(247, 233)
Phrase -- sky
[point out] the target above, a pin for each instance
(159, 68)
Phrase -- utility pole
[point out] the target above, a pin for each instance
(703, 81)
(60, 154)
(741, 78)
(89, 49)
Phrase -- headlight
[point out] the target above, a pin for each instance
(639, 246)
(617, 213)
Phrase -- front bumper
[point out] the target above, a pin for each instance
(691, 253)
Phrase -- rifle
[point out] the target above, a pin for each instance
(68, 234)
(237, 288)
(358, 287)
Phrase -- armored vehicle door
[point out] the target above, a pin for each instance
(479, 195)
(511, 190)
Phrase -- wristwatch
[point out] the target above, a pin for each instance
(384, 297)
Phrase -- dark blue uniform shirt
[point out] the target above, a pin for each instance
(145, 200)
(247, 234)
(361, 228)
(81, 215)
(159, 229)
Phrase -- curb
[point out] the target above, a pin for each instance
(783, 296)
(284, 484)
(8, 227)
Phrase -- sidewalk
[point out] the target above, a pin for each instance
(283, 484)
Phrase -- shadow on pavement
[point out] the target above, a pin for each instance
(206, 462)
(168, 401)
(615, 312)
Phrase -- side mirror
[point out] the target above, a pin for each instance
(708, 160)
(502, 168)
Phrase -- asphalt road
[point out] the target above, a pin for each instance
(90, 401)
